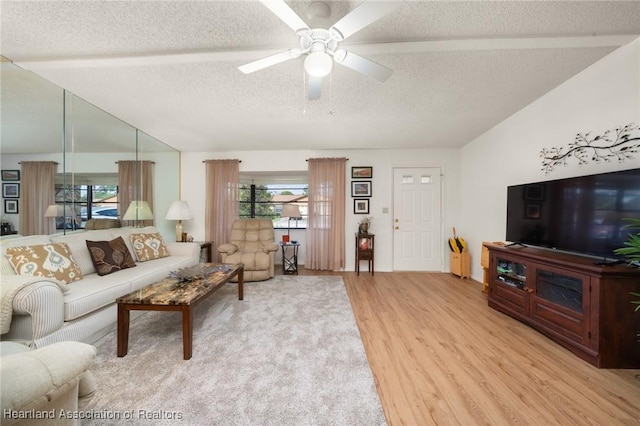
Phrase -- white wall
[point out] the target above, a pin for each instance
(383, 161)
(603, 96)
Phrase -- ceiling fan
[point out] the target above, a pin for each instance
(322, 46)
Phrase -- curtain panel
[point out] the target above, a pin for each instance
(135, 182)
(325, 229)
(36, 194)
(221, 200)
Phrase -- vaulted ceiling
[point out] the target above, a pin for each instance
(170, 68)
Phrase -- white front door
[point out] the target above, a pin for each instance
(417, 234)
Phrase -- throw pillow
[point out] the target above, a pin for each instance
(44, 260)
(148, 246)
(110, 256)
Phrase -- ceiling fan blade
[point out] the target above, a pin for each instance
(286, 14)
(269, 61)
(314, 88)
(363, 65)
(366, 13)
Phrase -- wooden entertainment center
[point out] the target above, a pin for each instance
(581, 305)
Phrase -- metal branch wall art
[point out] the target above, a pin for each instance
(621, 143)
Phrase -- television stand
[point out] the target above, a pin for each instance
(582, 306)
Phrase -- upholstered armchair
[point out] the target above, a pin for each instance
(252, 243)
(49, 380)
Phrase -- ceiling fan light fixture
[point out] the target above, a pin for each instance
(318, 64)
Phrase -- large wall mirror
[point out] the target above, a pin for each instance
(44, 123)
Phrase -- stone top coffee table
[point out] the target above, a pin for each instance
(181, 291)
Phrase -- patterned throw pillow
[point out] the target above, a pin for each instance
(110, 256)
(148, 246)
(44, 260)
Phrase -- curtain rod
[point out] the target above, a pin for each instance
(314, 159)
(54, 162)
(204, 161)
(152, 162)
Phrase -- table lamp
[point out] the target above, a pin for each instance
(64, 211)
(289, 210)
(179, 211)
(138, 210)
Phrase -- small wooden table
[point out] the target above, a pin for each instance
(364, 251)
(171, 295)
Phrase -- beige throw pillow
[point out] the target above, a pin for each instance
(44, 260)
(148, 246)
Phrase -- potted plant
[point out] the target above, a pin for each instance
(631, 249)
(363, 225)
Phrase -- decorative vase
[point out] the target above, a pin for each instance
(363, 228)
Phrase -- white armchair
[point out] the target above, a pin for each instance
(45, 380)
(252, 243)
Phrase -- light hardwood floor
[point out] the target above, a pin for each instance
(440, 355)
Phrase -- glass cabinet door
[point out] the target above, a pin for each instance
(513, 274)
(559, 289)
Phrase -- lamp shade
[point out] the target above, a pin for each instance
(138, 210)
(290, 210)
(60, 210)
(52, 211)
(179, 210)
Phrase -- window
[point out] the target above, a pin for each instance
(266, 201)
(92, 201)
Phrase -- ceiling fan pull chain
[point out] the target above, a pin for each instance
(305, 84)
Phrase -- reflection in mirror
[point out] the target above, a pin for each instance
(165, 181)
(41, 122)
(95, 142)
(31, 130)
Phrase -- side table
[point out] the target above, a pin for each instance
(364, 251)
(290, 257)
(207, 246)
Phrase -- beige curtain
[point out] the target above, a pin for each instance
(135, 182)
(221, 200)
(325, 230)
(37, 192)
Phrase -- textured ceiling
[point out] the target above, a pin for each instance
(171, 67)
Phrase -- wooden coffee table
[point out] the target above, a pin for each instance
(172, 295)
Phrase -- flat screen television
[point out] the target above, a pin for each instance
(580, 215)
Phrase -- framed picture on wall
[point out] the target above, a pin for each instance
(361, 188)
(10, 206)
(11, 175)
(532, 210)
(360, 206)
(10, 190)
(361, 172)
(534, 192)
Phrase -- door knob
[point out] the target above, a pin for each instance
(397, 227)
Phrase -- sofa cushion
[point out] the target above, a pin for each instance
(5, 266)
(78, 245)
(45, 260)
(148, 246)
(110, 256)
(95, 292)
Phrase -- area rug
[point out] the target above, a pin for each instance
(290, 353)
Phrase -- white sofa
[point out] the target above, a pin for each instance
(43, 311)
